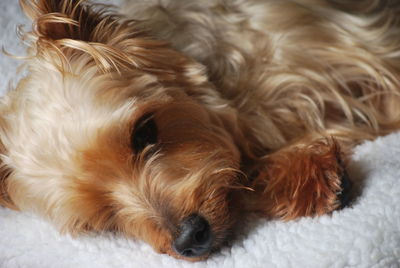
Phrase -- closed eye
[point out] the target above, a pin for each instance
(144, 133)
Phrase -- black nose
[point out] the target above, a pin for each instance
(195, 237)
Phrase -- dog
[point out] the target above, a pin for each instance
(170, 121)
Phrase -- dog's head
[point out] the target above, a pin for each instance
(113, 130)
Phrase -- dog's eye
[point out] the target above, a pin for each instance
(144, 133)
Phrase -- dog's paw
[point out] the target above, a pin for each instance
(304, 180)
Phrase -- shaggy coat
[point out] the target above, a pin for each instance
(182, 115)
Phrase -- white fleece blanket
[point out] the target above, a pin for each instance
(367, 234)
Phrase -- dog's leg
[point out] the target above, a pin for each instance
(306, 179)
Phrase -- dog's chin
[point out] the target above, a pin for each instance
(175, 255)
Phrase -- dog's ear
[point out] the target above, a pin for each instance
(69, 27)
(56, 20)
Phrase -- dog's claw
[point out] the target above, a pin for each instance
(344, 194)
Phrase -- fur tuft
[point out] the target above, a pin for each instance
(302, 180)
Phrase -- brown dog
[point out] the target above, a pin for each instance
(169, 127)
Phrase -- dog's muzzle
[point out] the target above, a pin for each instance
(195, 237)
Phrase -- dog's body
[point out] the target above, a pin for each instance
(169, 142)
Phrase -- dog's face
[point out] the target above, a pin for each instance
(165, 174)
(117, 135)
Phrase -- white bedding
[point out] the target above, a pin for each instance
(367, 234)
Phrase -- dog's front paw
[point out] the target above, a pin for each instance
(304, 180)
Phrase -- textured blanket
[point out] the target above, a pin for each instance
(366, 234)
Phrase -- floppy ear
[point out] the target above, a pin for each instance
(68, 27)
(66, 19)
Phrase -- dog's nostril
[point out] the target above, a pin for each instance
(195, 237)
(188, 252)
(202, 235)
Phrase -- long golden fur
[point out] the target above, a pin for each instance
(170, 121)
